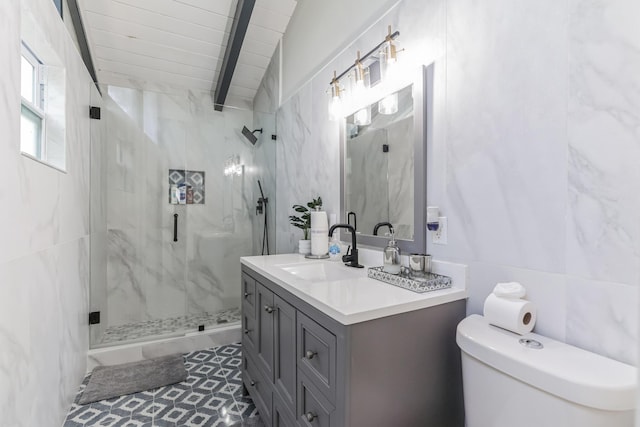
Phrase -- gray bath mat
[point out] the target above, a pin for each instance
(113, 381)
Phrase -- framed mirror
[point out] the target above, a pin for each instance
(383, 165)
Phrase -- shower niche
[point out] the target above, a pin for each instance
(186, 187)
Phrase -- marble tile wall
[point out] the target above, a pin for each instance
(149, 276)
(533, 157)
(44, 255)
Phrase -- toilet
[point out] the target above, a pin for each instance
(525, 381)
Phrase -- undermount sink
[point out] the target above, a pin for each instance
(326, 271)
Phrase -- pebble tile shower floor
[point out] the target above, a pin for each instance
(210, 396)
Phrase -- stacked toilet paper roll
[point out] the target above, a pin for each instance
(506, 308)
(319, 233)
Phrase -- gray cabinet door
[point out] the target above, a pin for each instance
(265, 320)
(248, 332)
(248, 294)
(281, 415)
(258, 387)
(285, 352)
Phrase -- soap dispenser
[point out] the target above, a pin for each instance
(391, 260)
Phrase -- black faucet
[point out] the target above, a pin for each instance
(382, 224)
(350, 259)
(355, 220)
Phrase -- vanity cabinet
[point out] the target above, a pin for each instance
(303, 368)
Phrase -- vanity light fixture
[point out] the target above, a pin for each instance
(388, 58)
(361, 80)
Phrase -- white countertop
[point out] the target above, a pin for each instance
(356, 298)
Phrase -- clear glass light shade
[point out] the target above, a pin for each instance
(334, 100)
(360, 84)
(389, 104)
(389, 62)
(363, 117)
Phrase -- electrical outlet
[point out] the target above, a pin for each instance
(439, 237)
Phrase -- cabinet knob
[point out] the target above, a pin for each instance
(246, 331)
(246, 294)
(310, 416)
(268, 309)
(252, 383)
(310, 354)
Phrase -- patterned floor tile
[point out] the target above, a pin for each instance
(209, 397)
(208, 384)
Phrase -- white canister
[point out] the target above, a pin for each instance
(319, 233)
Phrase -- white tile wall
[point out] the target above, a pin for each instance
(44, 256)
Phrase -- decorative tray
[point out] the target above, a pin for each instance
(430, 282)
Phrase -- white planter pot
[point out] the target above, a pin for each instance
(304, 247)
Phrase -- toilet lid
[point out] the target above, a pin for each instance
(563, 370)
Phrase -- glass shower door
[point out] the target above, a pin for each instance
(138, 142)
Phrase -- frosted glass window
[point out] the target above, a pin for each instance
(43, 109)
(27, 80)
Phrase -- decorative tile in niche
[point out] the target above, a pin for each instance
(176, 176)
(193, 179)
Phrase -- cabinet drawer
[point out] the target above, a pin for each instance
(248, 294)
(316, 354)
(248, 333)
(259, 388)
(314, 410)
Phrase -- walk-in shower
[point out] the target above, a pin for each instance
(170, 226)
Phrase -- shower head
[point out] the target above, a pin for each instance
(250, 134)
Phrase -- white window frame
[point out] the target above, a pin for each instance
(38, 108)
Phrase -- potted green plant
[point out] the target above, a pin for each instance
(303, 222)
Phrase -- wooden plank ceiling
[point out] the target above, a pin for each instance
(181, 42)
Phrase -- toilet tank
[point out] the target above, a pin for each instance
(512, 384)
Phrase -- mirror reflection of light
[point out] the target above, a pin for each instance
(232, 166)
(389, 104)
(363, 117)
